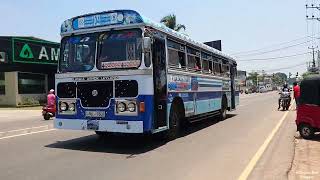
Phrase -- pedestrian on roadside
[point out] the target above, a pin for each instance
(296, 93)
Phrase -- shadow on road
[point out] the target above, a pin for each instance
(125, 144)
(316, 137)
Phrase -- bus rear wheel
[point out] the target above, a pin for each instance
(223, 110)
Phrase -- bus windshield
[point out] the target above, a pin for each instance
(78, 53)
(120, 49)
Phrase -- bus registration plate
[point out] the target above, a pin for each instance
(97, 114)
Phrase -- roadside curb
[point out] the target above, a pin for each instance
(305, 163)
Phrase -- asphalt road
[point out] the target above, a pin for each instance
(207, 150)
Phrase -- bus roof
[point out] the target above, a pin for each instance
(116, 18)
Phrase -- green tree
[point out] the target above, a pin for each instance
(278, 80)
(306, 74)
(282, 76)
(171, 22)
(253, 76)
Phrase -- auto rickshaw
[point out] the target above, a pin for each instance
(308, 110)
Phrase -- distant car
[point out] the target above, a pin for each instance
(262, 89)
(248, 91)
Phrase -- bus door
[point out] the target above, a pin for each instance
(233, 93)
(160, 82)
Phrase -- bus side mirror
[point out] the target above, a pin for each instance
(147, 41)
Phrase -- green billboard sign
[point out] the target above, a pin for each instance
(34, 51)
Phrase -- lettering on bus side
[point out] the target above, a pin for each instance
(106, 78)
(179, 83)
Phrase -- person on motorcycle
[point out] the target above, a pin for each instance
(285, 90)
(51, 99)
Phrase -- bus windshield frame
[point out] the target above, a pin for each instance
(78, 53)
(117, 49)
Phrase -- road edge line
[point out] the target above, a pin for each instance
(7, 137)
(247, 171)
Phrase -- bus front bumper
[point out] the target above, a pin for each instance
(118, 126)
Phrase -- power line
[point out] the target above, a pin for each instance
(288, 67)
(267, 47)
(273, 58)
(278, 49)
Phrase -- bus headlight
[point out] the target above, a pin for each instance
(63, 106)
(121, 107)
(72, 107)
(67, 106)
(126, 107)
(132, 107)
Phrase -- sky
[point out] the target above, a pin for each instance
(242, 25)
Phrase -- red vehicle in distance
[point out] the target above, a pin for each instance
(308, 110)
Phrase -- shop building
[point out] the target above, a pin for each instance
(27, 68)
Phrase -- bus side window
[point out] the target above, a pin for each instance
(228, 72)
(182, 59)
(198, 64)
(210, 66)
(216, 68)
(173, 58)
(191, 62)
(205, 64)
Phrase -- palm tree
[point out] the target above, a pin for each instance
(171, 22)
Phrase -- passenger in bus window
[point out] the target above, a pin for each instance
(182, 62)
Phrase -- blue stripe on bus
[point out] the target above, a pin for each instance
(209, 85)
(209, 81)
(191, 96)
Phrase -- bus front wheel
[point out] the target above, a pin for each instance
(174, 125)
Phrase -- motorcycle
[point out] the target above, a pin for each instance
(48, 112)
(285, 100)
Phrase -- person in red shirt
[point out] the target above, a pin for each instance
(296, 93)
(51, 99)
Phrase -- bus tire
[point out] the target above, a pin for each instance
(223, 110)
(174, 125)
(306, 131)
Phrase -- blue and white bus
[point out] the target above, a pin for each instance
(121, 72)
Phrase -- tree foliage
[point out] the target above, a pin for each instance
(308, 73)
(171, 22)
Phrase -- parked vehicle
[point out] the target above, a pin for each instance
(262, 89)
(308, 111)
(48, 112)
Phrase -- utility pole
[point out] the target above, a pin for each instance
(313, 18)
(313, 57)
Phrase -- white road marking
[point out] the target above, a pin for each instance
(37, 127)
(247, 171)
(36, 132)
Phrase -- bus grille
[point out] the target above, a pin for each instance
(95, 94)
